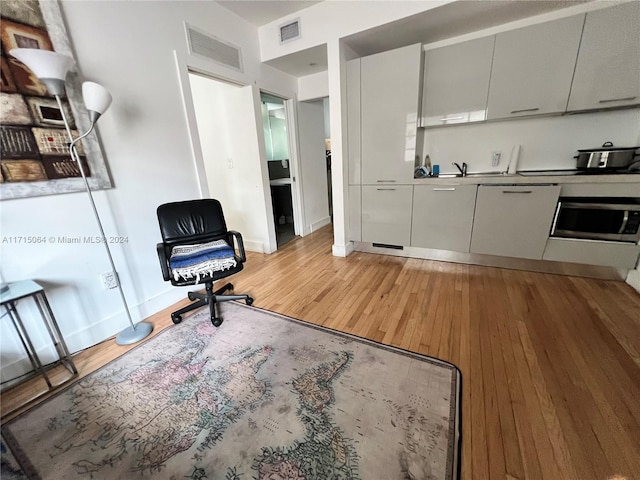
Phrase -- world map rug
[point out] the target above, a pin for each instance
(263, 397)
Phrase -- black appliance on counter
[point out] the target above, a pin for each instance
(600, 218)
(609, 159)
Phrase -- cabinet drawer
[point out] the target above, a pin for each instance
(443, 216)
(592, 252)
(386, 214)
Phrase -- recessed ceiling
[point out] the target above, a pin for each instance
(262, 12)
(302, 63)
(447, 21)
(450, 20)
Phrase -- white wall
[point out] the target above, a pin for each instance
(312, 87)
(313, 166)
(545, 142)
(147, 145)
(327, 117)
(328, 21)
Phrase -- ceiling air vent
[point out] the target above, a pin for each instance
(290, 31)
(208, 46)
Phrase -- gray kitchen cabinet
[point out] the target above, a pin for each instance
(390, 84)
(608, 68)
(386, 214)
(456, 82)
(592, 252)
(355, 213)
(533, 68)
(443, 216)
(353, 121)
(513, 221)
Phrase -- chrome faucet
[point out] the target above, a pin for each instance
(463, 169)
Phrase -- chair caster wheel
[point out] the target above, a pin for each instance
(176, 318)
(190, 296)
(249, 301)
(216, 322)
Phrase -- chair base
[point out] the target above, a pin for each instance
(210, 298)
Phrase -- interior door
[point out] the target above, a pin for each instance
(313, 165)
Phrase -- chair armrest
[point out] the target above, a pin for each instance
(164, 261)
(238, 238)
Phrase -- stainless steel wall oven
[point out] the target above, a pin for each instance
(598, 218)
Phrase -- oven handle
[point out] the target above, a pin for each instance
(601, 206)
(555, 219)
(624, 222)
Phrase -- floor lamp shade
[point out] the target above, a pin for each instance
(96, 99)
(50, 67)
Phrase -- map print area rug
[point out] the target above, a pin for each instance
(261, 397)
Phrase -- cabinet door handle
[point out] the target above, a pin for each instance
(385, 181)
(525, 110)
(459, 117)
(625, 99)
(385, 189)
(450, 189)
(517, 191)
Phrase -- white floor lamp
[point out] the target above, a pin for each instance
(52, 68)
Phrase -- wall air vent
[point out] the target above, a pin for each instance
(208, 46)
(290, 31)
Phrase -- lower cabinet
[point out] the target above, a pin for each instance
(592, 252)
(386, 214)
(443, 216)
(513, 221)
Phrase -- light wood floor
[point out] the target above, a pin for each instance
(550, 364)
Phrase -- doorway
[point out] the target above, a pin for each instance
(232, 167)
(278, 155)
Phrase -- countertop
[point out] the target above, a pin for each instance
(528, 178)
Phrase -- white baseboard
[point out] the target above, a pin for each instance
(633, 279)
(94, 333)
(319, 224)
(252, 246)
(342, 250)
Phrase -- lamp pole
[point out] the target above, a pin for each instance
(76, 157)
(52, 68)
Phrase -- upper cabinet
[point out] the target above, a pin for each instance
(533, 68)
(390, 85)
(456, 82)
(608, 69)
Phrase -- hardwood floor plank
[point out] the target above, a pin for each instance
(550, 364)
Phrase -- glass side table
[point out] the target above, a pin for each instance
(29, 289)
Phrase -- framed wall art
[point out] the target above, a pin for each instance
(34, 156)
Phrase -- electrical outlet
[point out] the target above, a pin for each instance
(495, 159)
(230, 162)
(109, 280)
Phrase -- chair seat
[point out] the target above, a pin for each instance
(201, 260)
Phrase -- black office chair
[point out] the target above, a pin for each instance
(196, 249)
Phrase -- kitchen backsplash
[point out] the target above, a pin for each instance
(544, 142)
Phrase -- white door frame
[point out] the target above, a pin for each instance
(294, 162)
